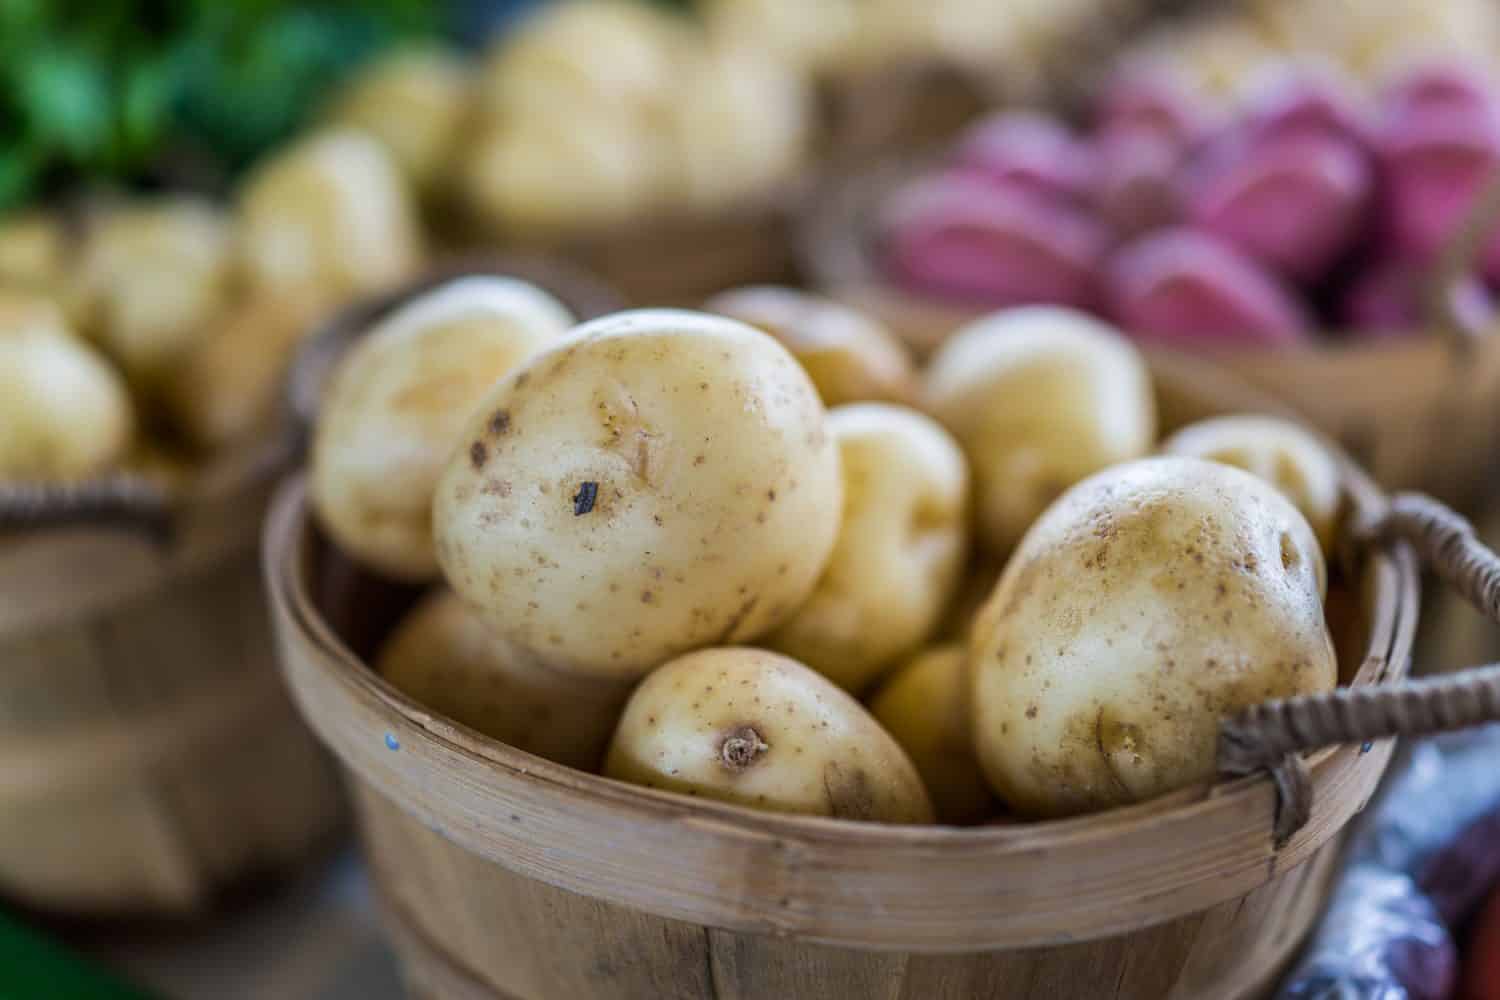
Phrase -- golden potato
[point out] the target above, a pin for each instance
(543, 177)
(742, 125)
(1278, 451)
(330, 216)
(64, 412)
(925, 707)
(850, 357)
(396, 407)
(1150, 601)
(33, 251)
(442, 656)
(1039, 397)
(748, 726)
(228, 384)
(153, 276)
(808, 36)
(660, 480)
(415, 102)
(616, 56)
(900, 551)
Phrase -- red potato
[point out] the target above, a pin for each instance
(1144, 101)
(1388, 299)
(1184, 287)
(1294, 203)
(1137, 188)
(1308, 103)
(1439, 86)
(955, 237)
(1435, 165)
(1482, 969)
(1030, 151)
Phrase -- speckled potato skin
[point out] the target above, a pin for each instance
(900, 551)
(1039, 397)
(329, 215)
(443, 656)
(925, 707)
(396, 407)
(749, 726)
(1278, 451)
(153, 278)
(1150, 601)
(849, 357)
(64, 412)
(660, 480)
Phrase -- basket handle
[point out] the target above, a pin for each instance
(1453, 311)
(1271, 736)
(125, 502)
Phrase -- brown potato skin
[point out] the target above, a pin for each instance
(1150, 601)
(755, 728)
(442, 656)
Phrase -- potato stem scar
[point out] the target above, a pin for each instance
(741, 747)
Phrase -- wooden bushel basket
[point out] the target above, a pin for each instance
(149, 754)
(503, 875)
(1418, 412)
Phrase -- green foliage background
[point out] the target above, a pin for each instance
(101, 89)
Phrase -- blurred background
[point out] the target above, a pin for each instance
(680, 147)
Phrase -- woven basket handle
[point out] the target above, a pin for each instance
(1272, 735)
(125, 502)
(1450, 304)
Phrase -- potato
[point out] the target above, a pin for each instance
(415, 103)
(751, 727)
(396, 406)
(33, 251)
(742, 124)
(330, 215)
(1278, 451)
(808, 37)
(900, 550)
(64, 412)
(152, 277)
(226, 387)
(925, 707)
(1039, 397)
(661, 480)
(545, 177)
(1150, 601)
(442, 656)
(850, 357)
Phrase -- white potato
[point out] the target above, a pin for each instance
(152, 278)
(925, 707)
(1039, 397)
(396, 407)
(660, 480)
(1286, 456)
(415, 102)
(33, 251)
(1150, 601)
(900, 550)
(748, 726)
(330, 215)
(850, 357)
(807, 36)
(64, 412)
(442, 656)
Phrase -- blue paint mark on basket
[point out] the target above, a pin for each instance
(1366, 748)
(391, 743)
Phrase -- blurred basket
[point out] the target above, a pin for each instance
(1419, 412)
(507, 876)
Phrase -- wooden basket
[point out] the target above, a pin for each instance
(505, 875)
(1419, 412)
(148, 751)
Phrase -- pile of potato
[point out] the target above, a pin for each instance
(153, 331)
(680, 547)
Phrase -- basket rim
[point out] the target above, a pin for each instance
(666, 854)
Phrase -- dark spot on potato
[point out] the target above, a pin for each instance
(478, 454)
(500, 422)
(647, 597)
(583, 500)
(1031, 711)
(1290, 557)
(496, 488)
(771, 495)
(849, 791)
